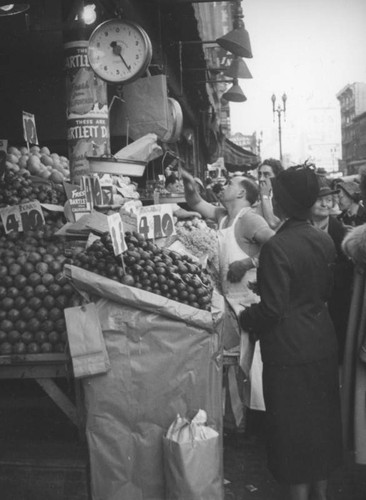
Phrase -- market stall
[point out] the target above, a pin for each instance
(159, 314)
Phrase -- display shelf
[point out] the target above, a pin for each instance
(43, 369)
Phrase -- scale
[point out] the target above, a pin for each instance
(119, 51)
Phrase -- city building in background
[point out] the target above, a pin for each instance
(323, 136)
(248, 142)
(352, 100)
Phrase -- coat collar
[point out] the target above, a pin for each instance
(292, 223)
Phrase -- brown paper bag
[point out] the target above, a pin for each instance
(87, 348)
(146, 106)
(192, 461)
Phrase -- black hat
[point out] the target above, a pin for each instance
(296, 190)
(352, 189)
(325, 188)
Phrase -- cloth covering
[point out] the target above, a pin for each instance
(165, 358)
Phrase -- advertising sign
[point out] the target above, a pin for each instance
(86, 110)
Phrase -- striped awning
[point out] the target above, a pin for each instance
(238, 159)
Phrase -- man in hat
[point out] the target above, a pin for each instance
(353, 213)
(298, 342)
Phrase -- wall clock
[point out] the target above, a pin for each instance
(119, 51)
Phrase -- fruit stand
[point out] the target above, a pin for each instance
(154, 285)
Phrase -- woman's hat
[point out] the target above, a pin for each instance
(352, 189)
(296, 190)
(325, 187)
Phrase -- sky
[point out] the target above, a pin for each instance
(309, 49)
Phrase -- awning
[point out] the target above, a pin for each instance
(238, 159)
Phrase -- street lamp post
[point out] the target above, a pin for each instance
(279, 110)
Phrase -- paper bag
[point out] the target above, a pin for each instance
(87, 348)
(146, 103)
(192, 460)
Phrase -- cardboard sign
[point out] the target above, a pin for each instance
(29, 128)
(117, 234)
(77, 199)
(155, 221)
(25, 217)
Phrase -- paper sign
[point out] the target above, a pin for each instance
(4, 145)
(29, 128)
(117, 234)
(77, 198)
(155, 221)
(25, 217)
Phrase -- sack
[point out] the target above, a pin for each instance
(87, 348)
(146, 105)
(192, 462)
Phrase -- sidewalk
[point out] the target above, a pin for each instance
(248, 478)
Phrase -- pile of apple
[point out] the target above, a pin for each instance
(39, 162)
(150, 268)
(16, 189)
(33, 292)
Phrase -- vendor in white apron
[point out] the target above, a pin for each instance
(241, 234)
(239, 295)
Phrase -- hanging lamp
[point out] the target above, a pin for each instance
(238, 69)
(237, 40)
(235, 93)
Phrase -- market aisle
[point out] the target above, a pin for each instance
(249, 479)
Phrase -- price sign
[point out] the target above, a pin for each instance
(26, 217)
(29, 128)
(116, 231)
(155, 221)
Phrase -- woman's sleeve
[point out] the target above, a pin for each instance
(274, 289)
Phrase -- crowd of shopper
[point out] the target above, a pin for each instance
(286, 233)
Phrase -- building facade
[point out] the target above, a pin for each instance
(352, 100)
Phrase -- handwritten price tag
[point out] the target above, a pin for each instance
(116, 231)
(155, 221)
(26, 217)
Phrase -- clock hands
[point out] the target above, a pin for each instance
(117, 51)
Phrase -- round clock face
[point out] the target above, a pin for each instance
(119, 51)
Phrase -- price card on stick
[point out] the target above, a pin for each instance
(25, 217)
(116, 231)
(155, 221)
(29, 128)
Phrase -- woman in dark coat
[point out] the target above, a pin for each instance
(298, 342)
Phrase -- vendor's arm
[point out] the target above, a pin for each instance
(265, 190)
(274, 289)
(255, 229)
(180, 213)
(195, 201)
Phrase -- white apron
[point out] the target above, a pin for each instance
(240, 296)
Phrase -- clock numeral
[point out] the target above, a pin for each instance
(105, 68)
(106, 33)
(118, 72)
(137, 57)
(117, 30)
(137, 43)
